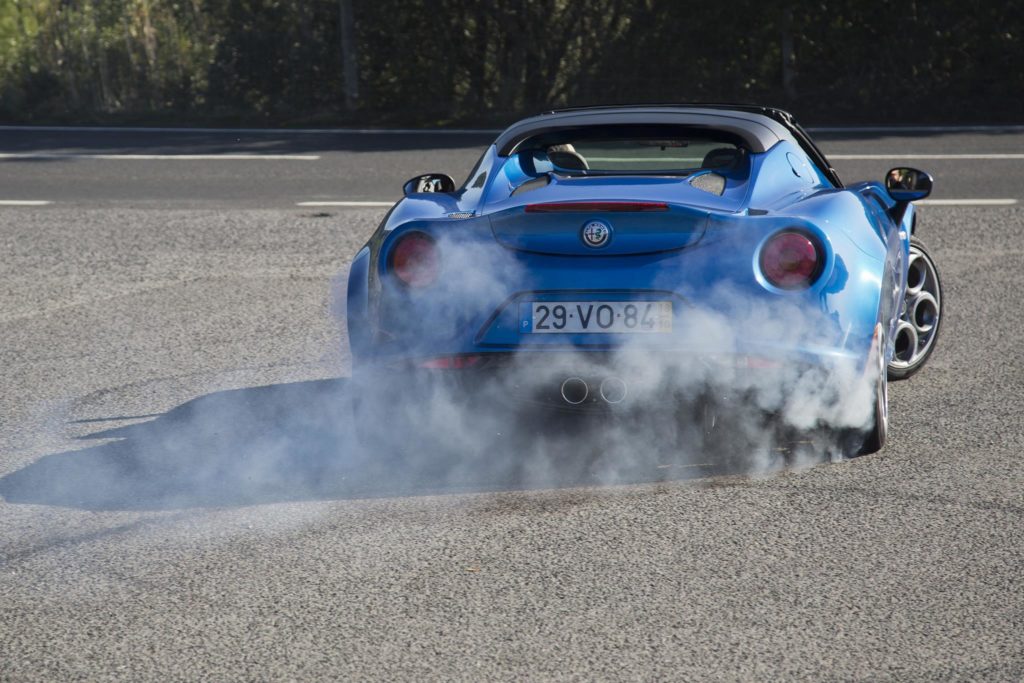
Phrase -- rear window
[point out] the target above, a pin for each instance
(657, 149)
(643, 155)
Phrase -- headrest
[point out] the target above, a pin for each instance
(721, 157)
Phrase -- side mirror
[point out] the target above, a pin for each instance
(429, 182)
(908, 184)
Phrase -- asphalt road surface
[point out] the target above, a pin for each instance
(263, 169)
(173, 441)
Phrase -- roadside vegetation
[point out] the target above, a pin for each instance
(437, 62)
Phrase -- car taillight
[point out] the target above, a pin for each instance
(414, 259)
(790, 260)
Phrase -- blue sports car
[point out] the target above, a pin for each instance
(699, 262)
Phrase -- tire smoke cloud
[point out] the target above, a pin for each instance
(703, 406)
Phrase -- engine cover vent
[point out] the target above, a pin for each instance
(709, 182)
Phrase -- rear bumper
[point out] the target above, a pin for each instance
(516, 403)
(615, 381)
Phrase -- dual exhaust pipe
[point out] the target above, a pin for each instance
(575, 390)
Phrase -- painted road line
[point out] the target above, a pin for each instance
(966, 202)
(24, 202)
(895, 130)
(260, 131)
(856, 157)
(54, 156)
(345, 204)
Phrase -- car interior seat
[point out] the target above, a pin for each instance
(721, 157)
(566, 156)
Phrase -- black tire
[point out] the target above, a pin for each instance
(914, 345)
(854, 442)
(873, 438)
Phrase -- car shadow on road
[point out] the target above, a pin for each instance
(279, 443)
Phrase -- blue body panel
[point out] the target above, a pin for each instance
(701, 253)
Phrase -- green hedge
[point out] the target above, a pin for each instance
(459, 61)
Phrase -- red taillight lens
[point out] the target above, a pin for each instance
(790, 260)
(415, 260)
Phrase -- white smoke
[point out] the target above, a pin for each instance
(703, 403)
(702, 408)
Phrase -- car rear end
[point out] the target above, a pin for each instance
(612, 293)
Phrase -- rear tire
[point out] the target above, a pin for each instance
(873, 439)
(920, 314)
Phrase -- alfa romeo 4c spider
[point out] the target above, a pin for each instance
(697, 262)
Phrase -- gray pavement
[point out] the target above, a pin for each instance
(173, 414)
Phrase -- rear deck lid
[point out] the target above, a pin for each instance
(600, 217)
(570, 216)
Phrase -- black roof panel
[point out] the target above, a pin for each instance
(759, 131)
(758, 126)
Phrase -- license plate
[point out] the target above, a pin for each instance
(602, 317)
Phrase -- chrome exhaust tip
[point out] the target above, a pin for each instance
(575, 391)
(614, 390)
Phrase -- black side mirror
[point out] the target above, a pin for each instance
(908, 184)
(429, 182)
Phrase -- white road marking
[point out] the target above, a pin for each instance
(24, 202)
(915, 129)
(966, 202)
(855, 157)
(895, 130)
(261, 131)
(45, 156)
(345, 204)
